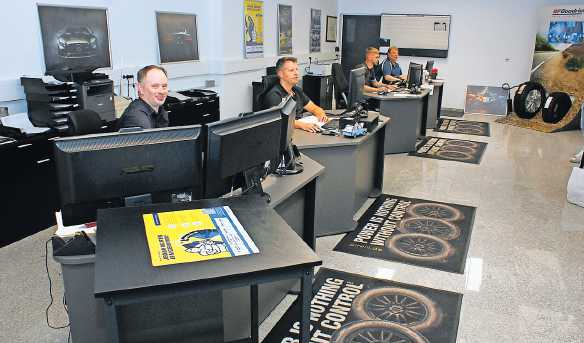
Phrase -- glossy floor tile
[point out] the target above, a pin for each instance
(524, 277)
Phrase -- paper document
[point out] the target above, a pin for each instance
(21, 121)
(312, 120)
(69, 231)
(196, 235)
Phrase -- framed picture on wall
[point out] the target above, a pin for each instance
(331, 29)
(177, 37)
(253, 28)
(284, 29)
(74, 39)
(315, 29)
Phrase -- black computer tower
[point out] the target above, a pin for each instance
(319, 89)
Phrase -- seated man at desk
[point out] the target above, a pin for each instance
(146, 111)
(391, 70)
(287, 71)
(373, 73)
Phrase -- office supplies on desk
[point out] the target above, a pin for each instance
(22, 122)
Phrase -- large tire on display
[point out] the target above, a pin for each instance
(556, 106)
(528, 100)
(376, 331)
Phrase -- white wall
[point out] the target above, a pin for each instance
(491, 42)
(133, 37)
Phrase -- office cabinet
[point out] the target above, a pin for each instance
(29, 188)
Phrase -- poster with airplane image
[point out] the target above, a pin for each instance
(74, 39)
(177, 37)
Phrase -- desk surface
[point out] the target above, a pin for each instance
(308, 140)
(398, 96)
(281, 187)
(123, 259)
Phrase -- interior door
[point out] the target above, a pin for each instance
(359, 33)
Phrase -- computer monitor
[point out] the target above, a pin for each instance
(287, 163)
(429, 65)
(236, 147)
(356, 83)
(415, 75)
(127, 169)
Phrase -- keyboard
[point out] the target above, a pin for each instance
(331, 125)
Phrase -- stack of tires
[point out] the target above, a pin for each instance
(530, 98)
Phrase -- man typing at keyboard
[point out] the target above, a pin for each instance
(287, 71)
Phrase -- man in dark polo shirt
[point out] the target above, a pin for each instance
(287, 71)
(373, 72)
(146, 111)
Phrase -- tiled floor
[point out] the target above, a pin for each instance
(524, 278)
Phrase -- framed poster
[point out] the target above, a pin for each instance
(331, 29)
(284, 29)
(177, 37)
(74, 39)
(315, 29)
(253, 21)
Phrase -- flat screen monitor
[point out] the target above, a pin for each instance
(236, 145)
(429, 65)
(356, 83)
(125, 169)
(415, 75)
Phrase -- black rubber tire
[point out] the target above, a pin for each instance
(529, 99)
(556, 106)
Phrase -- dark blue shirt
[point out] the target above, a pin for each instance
(392, 69)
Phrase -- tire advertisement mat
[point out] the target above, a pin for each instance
(450, 149)
(353, 308)
(466, 127)
(414, 231)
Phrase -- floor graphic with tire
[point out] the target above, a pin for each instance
(467, 127)
(450, 149)
(383, 312)
(414, 231)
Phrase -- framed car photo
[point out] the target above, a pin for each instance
(177, 37)
(74, 39)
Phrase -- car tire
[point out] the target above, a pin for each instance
(556, 106)
(529, 99)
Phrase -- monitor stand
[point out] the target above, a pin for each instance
(253, 182)
(289, 163)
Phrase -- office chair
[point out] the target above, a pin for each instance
(341, 85)
(268, 82)
(84, 122)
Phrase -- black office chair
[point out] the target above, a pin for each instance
(268, 82)
(84, 122)
(341, 85)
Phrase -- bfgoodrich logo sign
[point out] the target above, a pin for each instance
(571, 11)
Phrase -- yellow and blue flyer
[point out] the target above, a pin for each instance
(196, 235)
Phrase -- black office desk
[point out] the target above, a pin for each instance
(124, 274)
(434, 103)
(354, 172)
(408, 114)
